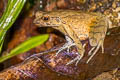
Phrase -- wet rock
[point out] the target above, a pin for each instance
(109, 75)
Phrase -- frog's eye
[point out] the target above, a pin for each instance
(45, 18)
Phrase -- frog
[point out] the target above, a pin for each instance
(77, 26)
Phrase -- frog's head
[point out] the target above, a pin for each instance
(46, 19)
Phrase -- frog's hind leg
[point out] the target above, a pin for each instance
(97, 36)
(67, 45)
(80, 49)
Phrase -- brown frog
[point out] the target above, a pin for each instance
(77, 26)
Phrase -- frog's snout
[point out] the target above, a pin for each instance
(37, 22)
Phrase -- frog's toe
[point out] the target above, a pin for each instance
(94, 52)
(77, 60)
(68, 48)
(91, 50)
(65, 46)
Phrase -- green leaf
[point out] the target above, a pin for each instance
(25, 46)
(9, 16)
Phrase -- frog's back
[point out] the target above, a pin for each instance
(80, 22)
(76, 18)
(65, 13)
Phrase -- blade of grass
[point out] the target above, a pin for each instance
(12, 11)
(25, 46)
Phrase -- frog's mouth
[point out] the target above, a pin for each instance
(48, 24)
(44, 24)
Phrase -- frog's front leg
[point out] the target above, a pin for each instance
(80, 49)
(72, 40)
(77, 42)
(69, 42)
(68, 45)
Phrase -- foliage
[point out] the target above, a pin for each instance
(25, 46)
(11, 13)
